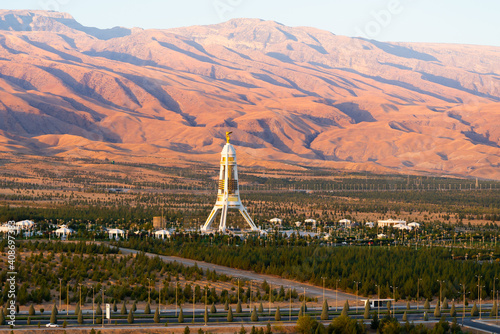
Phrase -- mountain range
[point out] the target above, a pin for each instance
(294, 97)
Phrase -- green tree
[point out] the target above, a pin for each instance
(408, 305)
(213, 309)
(65, 323)
(2, 319)
(226, 305)
(123, 311)
(238, 307)
(494, 309)
(254, 317)
(53, 315)
(180, 319)
(31, 310)
(28, 321)
(345, 310)
(130, 317)
(445, 304)
(366, 315)
(437, 311)
(230, 315)
(92, 331)
(268, 329)
(405, 317)
(453, 311)
(156, 317)
(426, 317)
(261, 308)
(242, 330)
(80, 317)
(375, 322)
(186, 330)
(134, 306)
(427, 305)
(346, 325)
(306, 325)
(147, 309)
(115, 308)
(277, 315)
(98, 313)
(474, 312)
(324, 311)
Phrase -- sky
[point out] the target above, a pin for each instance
(434, 21)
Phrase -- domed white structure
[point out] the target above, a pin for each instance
(64, 231)
(228, 196)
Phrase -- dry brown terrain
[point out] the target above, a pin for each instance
(292, 96)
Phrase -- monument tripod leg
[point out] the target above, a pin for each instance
(223, 217)
(247, 217)
(210, 219)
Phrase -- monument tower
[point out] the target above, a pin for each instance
(228, 195)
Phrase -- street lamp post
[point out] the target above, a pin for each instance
(238, 289)
(270, 297)
(80, 285)
(440, 294)
(93, 313)
(149, 291)
(480, 299)
(60, 293)
(357, 294)
(394, 303)
(206, 302)
(336, 294)
(67, 299)
(323, 289)
(103, 311)
(418, 291)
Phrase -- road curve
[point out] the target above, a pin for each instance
(311, 290)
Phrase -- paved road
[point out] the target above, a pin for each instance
(311, 290)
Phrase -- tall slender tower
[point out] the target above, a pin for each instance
(228, 195)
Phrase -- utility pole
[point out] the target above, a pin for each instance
(290, 309)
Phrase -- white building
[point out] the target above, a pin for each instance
(116, 233)
(344, 221)
(370, 224)
(25, 224)
(63, 232)
(161, 234)
(414, 225)
(390, 223)
(298, 224)
(277, 221)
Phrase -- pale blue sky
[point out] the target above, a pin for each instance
(443, 21)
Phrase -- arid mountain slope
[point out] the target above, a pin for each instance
(292, 96)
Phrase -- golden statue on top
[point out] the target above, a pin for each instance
(227, 136)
